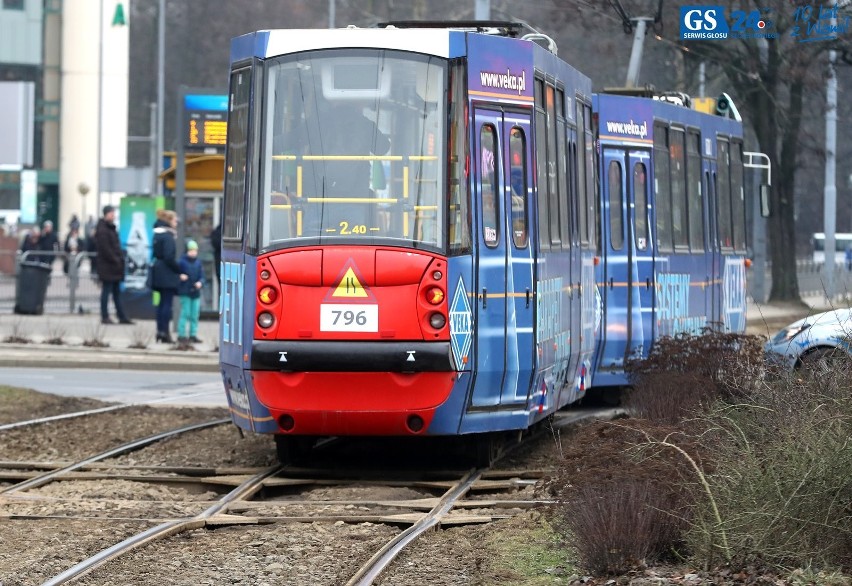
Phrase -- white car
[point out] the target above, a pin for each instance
(815, 341)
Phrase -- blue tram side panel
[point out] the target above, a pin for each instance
(672, 211)
(521, 308)
(527, 348)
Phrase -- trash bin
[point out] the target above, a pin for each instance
(31, 287)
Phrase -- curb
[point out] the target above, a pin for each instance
(46, 356)
(107, 364)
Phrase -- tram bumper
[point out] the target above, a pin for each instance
(352, 403)
(352, 387)
(349, 356)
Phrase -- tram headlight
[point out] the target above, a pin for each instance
(267, 295)
(434, 295)
(264, 274)
(437, 275)
(265, 320)
(437, 320)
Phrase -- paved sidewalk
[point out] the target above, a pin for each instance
(766, 319)
(123, 341)
(125, 346)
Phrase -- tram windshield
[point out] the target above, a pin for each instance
(353, 149)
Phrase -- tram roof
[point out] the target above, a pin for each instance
(439, 42)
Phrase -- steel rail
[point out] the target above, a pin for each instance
(49, 476)
(167, 529)
(380, 561)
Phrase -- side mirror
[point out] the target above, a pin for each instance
(765, 210)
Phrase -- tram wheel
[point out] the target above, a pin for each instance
(488, 447)
(293, 449)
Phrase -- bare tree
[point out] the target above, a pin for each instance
(772, 79)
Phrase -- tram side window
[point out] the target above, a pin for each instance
(640, 201)
(459, 211)
(235, 176)
(616, 205)
(581, 175)
(693, 191)
(592, 207)
(677, 168)
(576, 204)
(541, 166)
(723, 193)
(738, 213)
(662, 189)
(518, 157)
(488, 156)
(562, 172)
(552, 186)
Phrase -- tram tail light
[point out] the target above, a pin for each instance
(434, 295)
(437, 320)
(267, 295)
(265, 320)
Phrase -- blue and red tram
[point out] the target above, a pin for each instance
(409, 232)
(672, 226)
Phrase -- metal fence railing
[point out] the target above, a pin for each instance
(811, 278)
(72, 286)
(78, 289)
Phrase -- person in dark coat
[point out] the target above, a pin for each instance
(110, 266)
(92, 249)
(48, 242)
(189, 292)
(165, 272)
(216, 243)
(30, 244)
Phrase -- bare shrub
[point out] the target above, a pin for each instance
(616, 527)
(56, 333)
(94, 337)
(183, 346)
(140, 338)
(626, 504)
(19, 333)
(684, 372)
(783, 482)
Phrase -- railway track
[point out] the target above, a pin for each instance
(408, 502)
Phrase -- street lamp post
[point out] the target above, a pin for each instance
(635, 18)
(84, 188)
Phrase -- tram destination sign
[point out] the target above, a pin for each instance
(206, 121)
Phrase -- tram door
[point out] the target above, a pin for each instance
(629, 285)
(503, 319)
(644, 282)
(714, 314)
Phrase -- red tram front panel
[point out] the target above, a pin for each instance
(313, 303)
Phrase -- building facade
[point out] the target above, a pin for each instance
(69, 60)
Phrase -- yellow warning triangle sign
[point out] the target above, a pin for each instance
(349, 286)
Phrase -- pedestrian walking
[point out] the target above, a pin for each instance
(48, 243)
(92, 249)
(165, 271)
(73, 245)
(110, 266)
(30, 244)
(216, 243)
(189, 292)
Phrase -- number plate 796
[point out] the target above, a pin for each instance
(339, 317)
